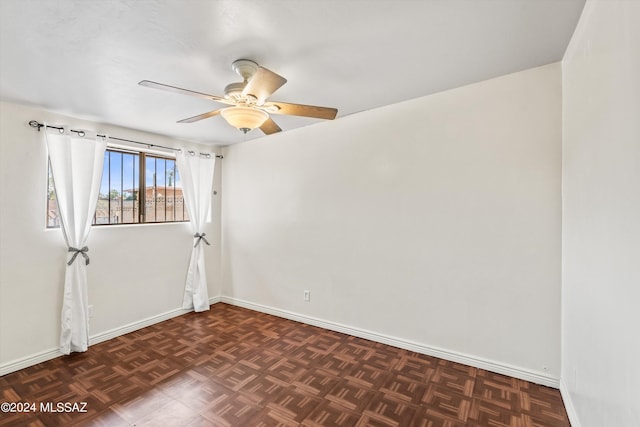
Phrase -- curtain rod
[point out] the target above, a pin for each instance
(37, 125)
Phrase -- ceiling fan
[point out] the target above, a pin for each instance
(248, 107)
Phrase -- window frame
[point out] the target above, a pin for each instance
(141, 203)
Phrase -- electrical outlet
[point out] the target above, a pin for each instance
(307, 296)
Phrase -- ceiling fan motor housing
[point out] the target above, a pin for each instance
(234, 91)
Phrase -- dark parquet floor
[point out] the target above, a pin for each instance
(236, 367)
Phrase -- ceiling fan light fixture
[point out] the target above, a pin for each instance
(244, 118)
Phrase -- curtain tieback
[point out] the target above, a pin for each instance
(82, 252)
(200, 237)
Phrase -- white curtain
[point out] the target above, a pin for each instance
(76, 165)
(196, 175)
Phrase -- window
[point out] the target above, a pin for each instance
(121, 201)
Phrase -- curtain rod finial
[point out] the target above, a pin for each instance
(35, 124)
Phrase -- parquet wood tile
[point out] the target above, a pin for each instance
(235, 367)
(337, 364)
(415, 367)
(403, 389)
(351, 396)
(328, 414)
(316, 382)
(231, 410)
(294, 404)
(389, 410)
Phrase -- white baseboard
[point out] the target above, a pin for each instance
(489, 365)
(568, 404)
(25, 362)
(34, 359)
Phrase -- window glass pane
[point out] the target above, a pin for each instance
(115, 187)
(170, 194)
(150, 189)
(130, 179)
(161, 189)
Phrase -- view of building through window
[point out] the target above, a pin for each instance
(120, 200)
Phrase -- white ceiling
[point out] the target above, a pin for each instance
(85, 58)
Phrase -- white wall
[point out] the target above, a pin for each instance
(136, 272)
(601, 217)
(434, 221)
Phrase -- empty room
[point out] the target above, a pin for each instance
(320, 213)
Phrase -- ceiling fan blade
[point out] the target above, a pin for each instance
(182, 91)
(269, 127)
(263, 83)
(200, 117)
(314, 111)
